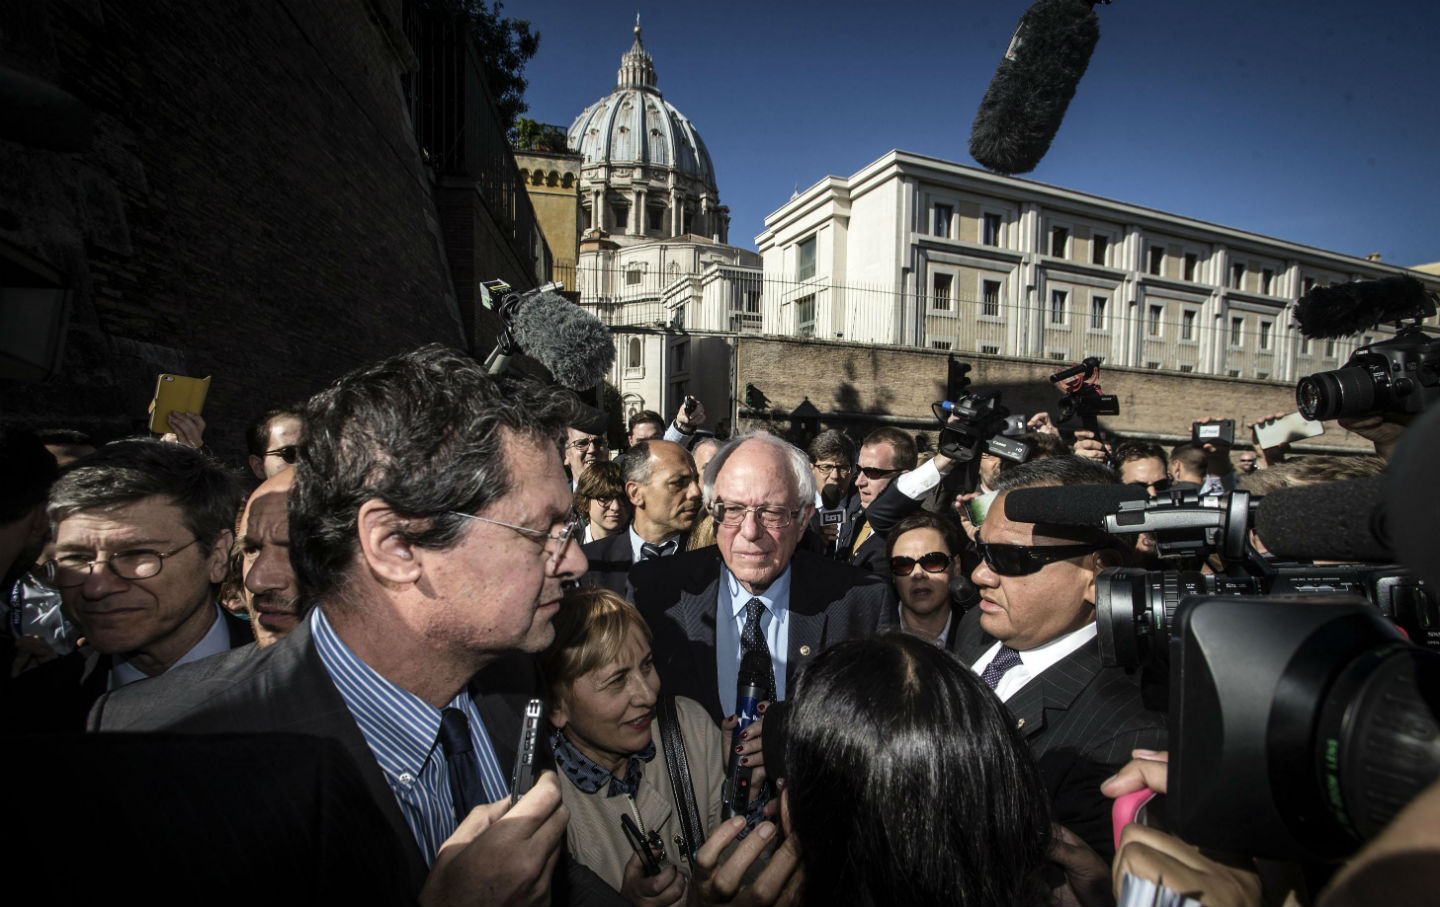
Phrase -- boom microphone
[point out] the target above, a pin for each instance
(1333, 521)
(566, 339)
(1069, 505)
(1023, 107)
(1350, 308)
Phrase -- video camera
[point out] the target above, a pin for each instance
(1082, 394)
(1399, 375)
(972, 421)
(1301, 718)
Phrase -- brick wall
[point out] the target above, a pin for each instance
(253, 206)
(856, 387)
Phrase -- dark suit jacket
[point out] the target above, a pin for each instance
(889, 507)
(55, 697)
(1081, 720)
(610, 561)
(679, 596)
(285, 688)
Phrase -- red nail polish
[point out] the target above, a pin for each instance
(737, 749)
(763, 706)
(745, 760)
(744, 735)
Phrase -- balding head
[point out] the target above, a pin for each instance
(271, 595)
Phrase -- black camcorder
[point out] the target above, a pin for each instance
(973, 423)
(1083, 398)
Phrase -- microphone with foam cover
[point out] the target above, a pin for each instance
(1349, 308)
(1333, 521)
(1069, 505)
(566, 339)
(1023, 107)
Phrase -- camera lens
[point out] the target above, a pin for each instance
(1358, 389)
(1134, 609)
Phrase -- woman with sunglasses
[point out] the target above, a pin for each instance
(924, 558)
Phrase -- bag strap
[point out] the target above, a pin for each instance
(684, 790)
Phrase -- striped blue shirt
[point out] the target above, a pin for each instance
(403, 732)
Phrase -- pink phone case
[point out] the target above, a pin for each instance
(1126, 807)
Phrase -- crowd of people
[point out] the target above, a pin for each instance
(427, 548)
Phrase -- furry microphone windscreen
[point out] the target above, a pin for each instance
(566, 339)
(1349, 308)
(1023, 107)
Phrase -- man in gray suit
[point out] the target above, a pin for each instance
(753, 591)
(430, 529)
(1032, 639)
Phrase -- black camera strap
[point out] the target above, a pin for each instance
(680, 784)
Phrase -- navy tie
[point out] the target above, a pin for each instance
(752, 639)
(1003, 661)
(461, 763)
(648, 551)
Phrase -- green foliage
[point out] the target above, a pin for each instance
(506, 44)
(528, 135)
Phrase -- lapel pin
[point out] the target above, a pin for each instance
(1019, 724)
(804, 650)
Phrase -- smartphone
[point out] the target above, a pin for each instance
(979, 507)
(176, 394)
(1131, 807)
(1293, 427)
(524, 777)
(690, 404)
(1221, 432)
(643, 847)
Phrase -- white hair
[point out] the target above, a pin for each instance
(795, 458)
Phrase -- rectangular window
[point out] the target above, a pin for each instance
(990, 298)
(620, 218)
(678, 357)
(994, 223)
(1237, 276)
(940, 293)
(1191, 260)
(1058, 301)
(1267, 281)
(944, 215)
(1186, 367)
(805, 316)
(1153, 320)
(1330, 349)
(805, 264)
(632, 277)
(1059, 356)
(586, 212)
(1187, 324)
(1265, 328)
(939, 344)
(1305, 346)
(1059, 236)
(1098, 247)
(1237, 331)
(1097, 312)
(1157, 260)
(1307, 285)
(990, 348)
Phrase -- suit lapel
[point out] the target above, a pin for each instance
(694, 614)
(808, 618)
(1051, 694)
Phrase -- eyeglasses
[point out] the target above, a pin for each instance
(1023, 560)
(766, 515)
(586, 443)
(288, 453)
(934, 562)
(874, 472)
(561, 538)
(71, 570)
(839, 469)
(1157, 486)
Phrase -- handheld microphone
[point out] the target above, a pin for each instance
(749, 693)
(1023, 107)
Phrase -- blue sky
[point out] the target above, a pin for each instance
(1316, 122)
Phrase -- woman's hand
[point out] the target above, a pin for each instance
(663, 890)
(720, 883)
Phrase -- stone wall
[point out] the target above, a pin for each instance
(252, 206)
(856, 387)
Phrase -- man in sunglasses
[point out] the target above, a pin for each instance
(886, 453)
(142, 531)
(1032, 639)
(271, 441)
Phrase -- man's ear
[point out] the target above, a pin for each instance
(257, 466)
(636, 493)
(389, 556)
(217, 562)
(1100, 560)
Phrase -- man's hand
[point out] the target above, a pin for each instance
(1217, 453)
(663, 890)
(1169, 861)
(689, 423)
(963, 512)
(1270, 456)
(1087, 876)
(1041, 422)
(1090, 447)
(717, 883)
(1383, 430)
(1146, 768)
(500, 854)
(187, 429)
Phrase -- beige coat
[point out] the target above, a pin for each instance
(594, 833)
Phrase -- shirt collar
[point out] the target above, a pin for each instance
(401, 728)
(589, 776)
(215, 641)
(776, 597)
(1043, 656)
(938, 640)
(636, 541)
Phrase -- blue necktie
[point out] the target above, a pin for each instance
(1003, 661)
(461, 763)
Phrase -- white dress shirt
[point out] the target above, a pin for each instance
(1033, 662)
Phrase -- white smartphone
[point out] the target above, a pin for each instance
(1293, 427)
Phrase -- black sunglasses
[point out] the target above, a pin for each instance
(1023, 560)
(286, 453)
(1159, 484)
(934, 562)
(875, 472)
